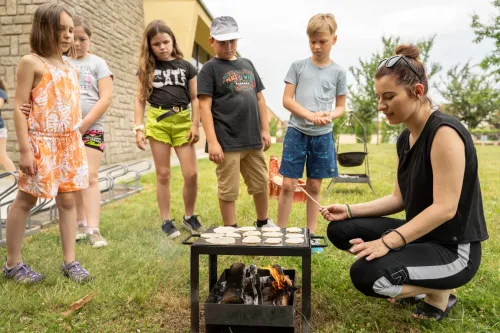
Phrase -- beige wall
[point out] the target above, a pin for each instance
(117, 30)
(187, 19)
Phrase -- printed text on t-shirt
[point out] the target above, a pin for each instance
(169, 77)
(239, 80)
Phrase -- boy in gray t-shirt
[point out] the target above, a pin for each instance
(316, 83)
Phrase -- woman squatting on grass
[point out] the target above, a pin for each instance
(438, 247)
(168, 83)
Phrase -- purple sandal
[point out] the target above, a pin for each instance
(22, 273)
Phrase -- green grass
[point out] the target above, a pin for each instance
(142, 278)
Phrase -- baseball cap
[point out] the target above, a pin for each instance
(224, 28)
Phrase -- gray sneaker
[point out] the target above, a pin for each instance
(22, 273)
(192, 224)
(169, 228)
(76, 272)
(96, 240)
(81, 231)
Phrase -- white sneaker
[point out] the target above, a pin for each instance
(96, 240)
(270, 223)
(81, 232)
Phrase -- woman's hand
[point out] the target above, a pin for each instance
(194, 135)
(370, 250)
(334, 212)
(140, 140)
(26, 110)
(27, 163)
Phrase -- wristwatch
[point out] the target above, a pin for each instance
(138, 128)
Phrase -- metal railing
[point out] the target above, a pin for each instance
(115, 182)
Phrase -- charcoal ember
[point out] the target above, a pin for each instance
(251, 282)
(258, 287)
(266, 281)
(282, 298)
(233, 293)
(248, 299)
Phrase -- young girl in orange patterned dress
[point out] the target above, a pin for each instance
(53, 162)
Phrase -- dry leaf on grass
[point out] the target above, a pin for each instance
(78, 304)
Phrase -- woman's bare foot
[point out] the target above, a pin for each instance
(406, 300)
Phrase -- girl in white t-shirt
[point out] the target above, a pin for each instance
(96, 88)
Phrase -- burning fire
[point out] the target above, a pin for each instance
(281, 281)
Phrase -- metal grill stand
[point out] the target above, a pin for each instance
(352, 159)
(199, 247)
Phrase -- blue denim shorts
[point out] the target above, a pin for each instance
(317, 153)
(3, 129)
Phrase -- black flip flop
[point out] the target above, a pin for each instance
(431, 312)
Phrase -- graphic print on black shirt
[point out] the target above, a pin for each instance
(171, 83)
(239, 80)
(169, 77)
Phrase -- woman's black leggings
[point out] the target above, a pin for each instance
(423, 264)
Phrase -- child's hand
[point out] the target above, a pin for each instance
(322, 118)
(83, 127)
(266, 140)
(215, 153)
(25, 109)
(194, 135)
(334, 212)
(140, 140)
(27, 163)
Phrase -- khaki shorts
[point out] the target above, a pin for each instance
(173, 130)
(251, 164)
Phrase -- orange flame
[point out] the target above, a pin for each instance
(281, 281)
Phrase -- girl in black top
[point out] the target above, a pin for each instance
(437, 248)
(168, 83)
(4, 159)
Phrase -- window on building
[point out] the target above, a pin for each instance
(200, 56)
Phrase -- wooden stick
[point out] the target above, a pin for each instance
(309, 196)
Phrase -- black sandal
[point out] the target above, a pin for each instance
(431, 312)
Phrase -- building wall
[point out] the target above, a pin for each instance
(187, 19)
(116, 36)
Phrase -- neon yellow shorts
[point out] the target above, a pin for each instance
(173, 130)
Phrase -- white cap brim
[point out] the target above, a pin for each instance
(229, 36)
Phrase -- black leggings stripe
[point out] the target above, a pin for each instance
(423, 264)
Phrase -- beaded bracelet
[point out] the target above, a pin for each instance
(349, 212)
(388, 232)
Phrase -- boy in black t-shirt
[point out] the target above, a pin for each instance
(234, 117)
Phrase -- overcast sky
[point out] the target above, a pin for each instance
(275, 32)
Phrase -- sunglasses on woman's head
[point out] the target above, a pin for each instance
(390, 62)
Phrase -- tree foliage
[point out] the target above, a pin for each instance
(492, 31)
(361, 96)
(472, 97)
